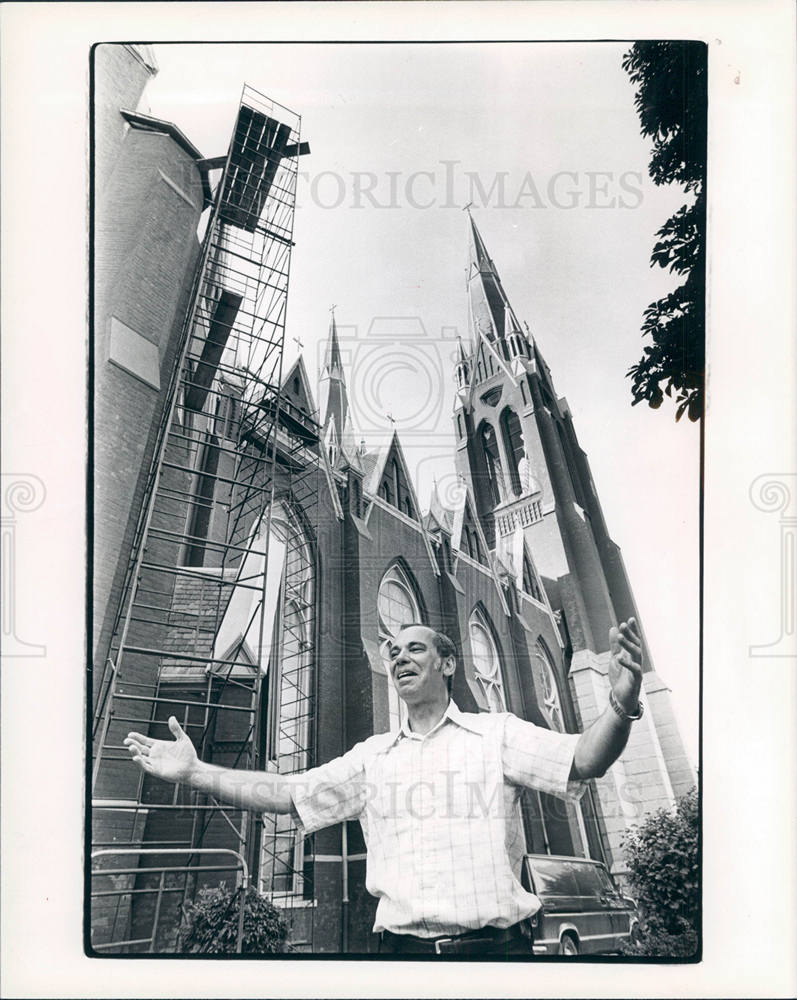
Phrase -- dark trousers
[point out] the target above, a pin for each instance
(489, 942)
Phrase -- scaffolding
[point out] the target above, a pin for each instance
(216, 622)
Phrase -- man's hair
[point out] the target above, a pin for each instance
(442, 643)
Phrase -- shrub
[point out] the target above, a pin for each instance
(664, 872)
(212, 924)
(660, 944)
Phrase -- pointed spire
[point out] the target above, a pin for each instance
(334, 400)
(492, 315)
(347, 438)
(462, 371)
(479, 258)
(487, 299)
(332, 359)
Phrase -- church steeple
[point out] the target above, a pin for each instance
(480, 260)
(491, 314)
(333, 400)
(531, 481)
(492, 410)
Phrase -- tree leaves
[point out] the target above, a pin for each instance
(671, 103)
(663, 863)
(671, 80)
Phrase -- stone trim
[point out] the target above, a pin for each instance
(177, 189)
(134, 354)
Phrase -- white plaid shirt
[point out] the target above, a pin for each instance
(440, 816)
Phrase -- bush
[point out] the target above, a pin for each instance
(212, 924)
(664, 872)
(660, 944)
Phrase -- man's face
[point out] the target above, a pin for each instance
(418, 671)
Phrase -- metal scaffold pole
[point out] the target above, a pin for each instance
(215, 625)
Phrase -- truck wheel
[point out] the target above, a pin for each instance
(568, 945)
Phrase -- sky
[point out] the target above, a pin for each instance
(544, 140)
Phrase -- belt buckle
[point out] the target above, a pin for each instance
(440, 941)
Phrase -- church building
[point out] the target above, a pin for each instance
(521, 572)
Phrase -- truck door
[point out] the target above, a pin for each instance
(598, 910)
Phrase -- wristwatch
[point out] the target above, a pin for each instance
(618, 710)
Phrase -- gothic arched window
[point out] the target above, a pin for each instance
(486, 661)
(530, 583)
(547, 687)
(332, 444)
(513, 446)
(492, 458)
(472, 545)
(296, 647)
(396, 602)
(290, 699)
(397, 606)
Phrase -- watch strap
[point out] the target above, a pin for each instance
(618, 710)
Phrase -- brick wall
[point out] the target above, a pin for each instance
(120, 77)
(145, 253)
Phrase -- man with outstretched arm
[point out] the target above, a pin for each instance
(438, 800)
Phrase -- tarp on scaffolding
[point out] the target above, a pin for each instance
(240, 627)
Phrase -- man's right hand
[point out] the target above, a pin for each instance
(170, 760)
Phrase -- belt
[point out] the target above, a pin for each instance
(469, 943)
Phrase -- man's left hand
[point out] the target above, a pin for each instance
(625, 665)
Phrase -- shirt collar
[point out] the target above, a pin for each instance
(465, 719)
(452, 713)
